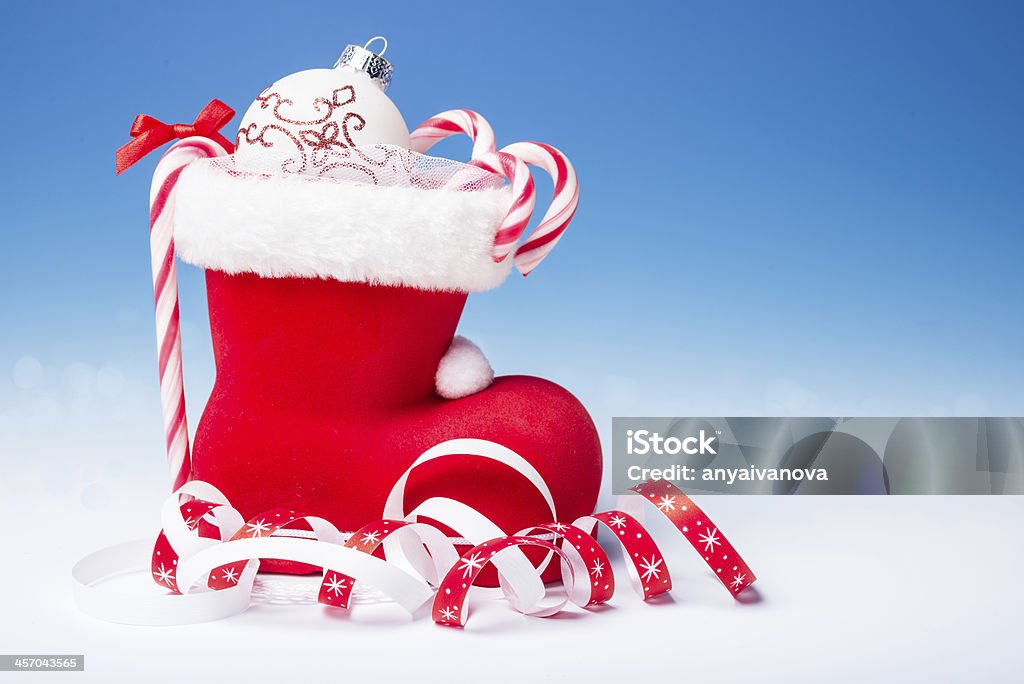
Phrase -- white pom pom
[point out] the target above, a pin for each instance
(463, 370)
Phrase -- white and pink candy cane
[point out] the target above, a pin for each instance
(165, 291)
(455, 122)
(511, 162)
(199, 139)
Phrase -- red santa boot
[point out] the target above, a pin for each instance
(337, 272)
(326, 394)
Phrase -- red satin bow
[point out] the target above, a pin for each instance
(149, 133)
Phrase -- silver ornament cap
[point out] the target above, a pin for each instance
(371, 63)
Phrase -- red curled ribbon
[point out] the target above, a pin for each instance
(148, 133)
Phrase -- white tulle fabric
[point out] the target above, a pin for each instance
(380, 165)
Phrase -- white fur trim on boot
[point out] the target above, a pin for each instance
(292, 225)
(463, 370)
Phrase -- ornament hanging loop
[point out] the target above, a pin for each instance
(366, 46)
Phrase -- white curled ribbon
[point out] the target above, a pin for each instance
(518, 579)
(205, 538)
(417, 555)
(182, 558)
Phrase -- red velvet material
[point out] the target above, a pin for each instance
(325, 396)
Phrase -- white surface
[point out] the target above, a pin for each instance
(851, 589)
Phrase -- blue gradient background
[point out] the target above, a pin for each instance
(787, 208)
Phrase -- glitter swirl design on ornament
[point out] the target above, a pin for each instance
(316, 139)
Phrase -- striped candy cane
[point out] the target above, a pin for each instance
(563, 204)
(511, 163)
(454, 122)
(524, 195)
(165, 288)
(471, 124)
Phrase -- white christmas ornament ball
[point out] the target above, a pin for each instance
(303, 121)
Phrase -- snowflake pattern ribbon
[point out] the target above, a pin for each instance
(447, 576)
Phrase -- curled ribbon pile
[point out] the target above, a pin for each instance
(206, 556)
